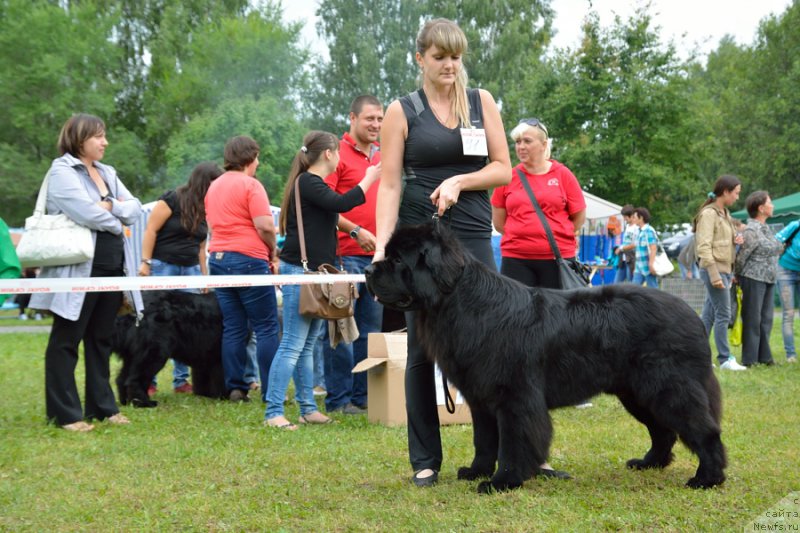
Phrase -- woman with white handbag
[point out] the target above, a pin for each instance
(90, 194)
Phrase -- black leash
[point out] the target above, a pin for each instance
(449, 403)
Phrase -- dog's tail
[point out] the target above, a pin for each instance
(122, 327)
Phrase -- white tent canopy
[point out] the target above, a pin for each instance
(597, 208)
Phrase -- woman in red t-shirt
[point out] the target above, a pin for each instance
(526, 252)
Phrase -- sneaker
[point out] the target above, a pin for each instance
(238, 395)
(584, 405)
(791, 359)
(23, 316)
(731, 364)
(37, 316)
(319, 391)
(186, 388)
(152, 390)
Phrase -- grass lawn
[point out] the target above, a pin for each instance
(197, 464)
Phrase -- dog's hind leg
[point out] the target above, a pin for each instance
(662, 438)
(122, 377)
(525, 432)
(485, 438)
(141, 374)
(690, 413)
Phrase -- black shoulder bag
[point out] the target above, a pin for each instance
(788, 242)
(571, 273)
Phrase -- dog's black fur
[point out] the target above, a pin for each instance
(182, 325)
(514, 352)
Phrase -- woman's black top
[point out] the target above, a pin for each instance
(434, 153)
(109, 253)
(321, 207)
(174, 244)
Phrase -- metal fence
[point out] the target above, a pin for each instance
(691, 291)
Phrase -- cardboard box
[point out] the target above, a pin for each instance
(386, 397)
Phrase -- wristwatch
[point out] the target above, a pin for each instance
(354, 232)
(148, 262)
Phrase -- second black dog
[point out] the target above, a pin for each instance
(184, 326)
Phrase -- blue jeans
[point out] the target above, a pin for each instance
(788, 289)
(295, 355)
(650, 279)
(342, 385)
(251, 373)
(622, 273)
(319, 359)
(717, 313)
(684, 271)
(245, 309)
(180, 372)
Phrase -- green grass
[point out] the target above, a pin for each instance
(9, 317)
(196, 464)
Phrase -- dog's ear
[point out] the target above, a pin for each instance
(444, 259)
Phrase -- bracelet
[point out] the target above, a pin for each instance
(148, 262)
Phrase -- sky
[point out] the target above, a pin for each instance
(689, 24)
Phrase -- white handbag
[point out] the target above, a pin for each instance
(662, 265)
(53, 240)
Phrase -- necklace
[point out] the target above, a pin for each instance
(438, 117)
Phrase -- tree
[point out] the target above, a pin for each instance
(231, 57)
(372, 46)
(54, 62)
(273, 125)
(754, 93)
(616, 108)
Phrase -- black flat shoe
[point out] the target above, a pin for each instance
(555, 474)
(429, 481)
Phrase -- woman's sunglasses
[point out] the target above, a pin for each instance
(535, 123)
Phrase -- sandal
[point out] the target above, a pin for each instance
(427, 481)
(286, 425)
(80, 426)
(118, 419)
(320, 419)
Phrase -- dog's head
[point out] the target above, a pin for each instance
(422, 264)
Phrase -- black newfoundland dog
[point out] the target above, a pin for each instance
(514, 352)
(181, 325)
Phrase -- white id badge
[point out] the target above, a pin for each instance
(474, 141)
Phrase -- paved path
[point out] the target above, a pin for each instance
(24, 329)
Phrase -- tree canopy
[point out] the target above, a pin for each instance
(174, 80)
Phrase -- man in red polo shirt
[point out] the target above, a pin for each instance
(358, 150)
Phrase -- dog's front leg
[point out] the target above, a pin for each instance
(525, 431)
(485, 439)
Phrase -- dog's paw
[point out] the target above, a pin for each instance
(470, 474)
(485, 487)
(136, 402)
(640, 464)
(699, 483)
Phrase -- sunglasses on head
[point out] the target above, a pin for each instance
(535, 123)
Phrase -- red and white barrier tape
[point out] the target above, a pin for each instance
(156, 283)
